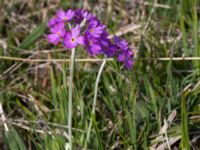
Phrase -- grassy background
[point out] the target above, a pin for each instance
(153, 106)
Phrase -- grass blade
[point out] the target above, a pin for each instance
(184, 125)
(14, 140)
(38, 32)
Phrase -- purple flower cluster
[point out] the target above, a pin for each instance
(80, 27)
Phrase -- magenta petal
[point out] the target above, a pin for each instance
(65, 16)
(128, 64)
(53, 30)
(69, 44)
(95, 49)
(60, 14)
(58, 28)
(94, 23)
(86, 15)
(98, 30)
(61, 26)
(75, 31)
(52, 22)
(116, 39)
(62, 33)
(68, 41)
(121, 57)
(80, 40)
(68, 37)
(70, 14)
(53, 38)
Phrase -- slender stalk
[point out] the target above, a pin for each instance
(3, 118)
(70, 97)
(94, 101)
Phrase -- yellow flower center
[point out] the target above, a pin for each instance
(92, 30)
(58, 33)
(73, 39)
(65, 18)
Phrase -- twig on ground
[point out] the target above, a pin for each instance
(129, 28)
(25, 127)
(97, 59)
(48, 123)
(155, 5)
(42, 51)
(14, 67)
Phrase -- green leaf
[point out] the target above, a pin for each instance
(184, 125)
(38, 32)
(14, 140)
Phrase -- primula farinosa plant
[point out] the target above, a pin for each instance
(74, 28)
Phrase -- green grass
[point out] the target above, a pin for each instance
(132, 106)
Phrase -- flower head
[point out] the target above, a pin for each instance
(108, 48)
(80, 15)
(80, 27)
(87, 15)
(95, 30)
(52, 22)
(126, 57)
(92, 45)
(72, 39)
(122, 44)
(57, 32)
(65, 16)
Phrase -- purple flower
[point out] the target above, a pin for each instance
(94, 29)
(93, 47)
(52, 22)
(108, 48)
(80, 15)
(122, 44)
(126, 57)
(124, 53)
(57, 32)
(65, 16)
(72, 39)
(87, 15)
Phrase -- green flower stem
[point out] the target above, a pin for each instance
(94, 101)
(72, 59)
